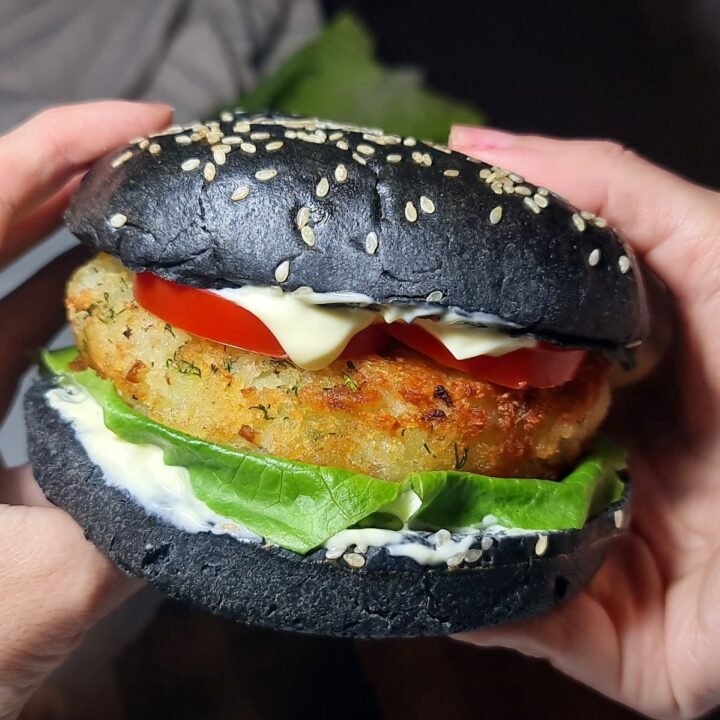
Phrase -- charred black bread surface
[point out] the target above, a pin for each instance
(275, 588)
(396, 219)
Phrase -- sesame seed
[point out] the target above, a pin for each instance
(417, 157)
(342, 145)
(486, 542)
(456, 559)
(409, 142)
(541, 545)
(434, 296)
(308, 235)
(442, 537)
(214, 137)
(523, 190)
(426, 159)
(182, 139)
(484, 174)
(209, 171)
(359, 158)
(267, 174)
(120, 159)
(226, 116)
(241, 127)
(394, 158)
(624, 263)
(195, 137)
(634, 343)
(247, 147)
(543, 191)
(118, 220)
(600, 222)
(371, 243)
(241, 193)
(473, 555)
(191, 164)
(516, 178)
(529, 202)
(274, 145)
(260, 136)
(323, 187)
(303, 217)
(366, 149)
(497, 187)
(219, 157)
(541, 200)
(341, 173)
(427, 205)
(290, 134)
(154, 149)
(334, 553)
(619, 518)
(143, 144)
(578, 222)
(410, 212)
(496, 215)
(354, 560)
(594, 258)
(451, 173)
(585, 215)
(232, 140)
(282, 271)
(334, 137)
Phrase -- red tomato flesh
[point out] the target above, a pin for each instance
(542, 366)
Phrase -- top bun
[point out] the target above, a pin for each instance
(268, 199)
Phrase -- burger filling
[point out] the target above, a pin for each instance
(302, 415)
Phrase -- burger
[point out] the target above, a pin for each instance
(338, 381)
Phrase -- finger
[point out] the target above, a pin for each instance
(40, 155)
(30, 316)
(37, 224)
(608, 637)
(669, 221)
(18, 487)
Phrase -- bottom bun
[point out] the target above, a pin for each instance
(514, 577)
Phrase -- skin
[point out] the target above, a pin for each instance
(53, 583)
(646, 631)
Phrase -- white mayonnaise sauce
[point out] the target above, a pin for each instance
(313, 334)
(166, 492)
(140, 470)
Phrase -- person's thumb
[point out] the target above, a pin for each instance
(671, 223)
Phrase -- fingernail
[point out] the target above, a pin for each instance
(481, 138)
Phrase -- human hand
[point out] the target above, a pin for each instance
(53, 583)
(646, 631)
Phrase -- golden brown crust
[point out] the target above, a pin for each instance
(383, 415)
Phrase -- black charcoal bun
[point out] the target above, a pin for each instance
(514, 577)
(267, 199)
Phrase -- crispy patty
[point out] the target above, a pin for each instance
(385, 415)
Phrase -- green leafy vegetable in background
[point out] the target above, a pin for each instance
(337, 77)
(299, 506)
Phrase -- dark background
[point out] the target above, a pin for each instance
(643, 72)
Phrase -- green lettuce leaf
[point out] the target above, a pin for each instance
(299, 506)
(337, 77)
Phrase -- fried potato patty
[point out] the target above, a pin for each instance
(382, 415)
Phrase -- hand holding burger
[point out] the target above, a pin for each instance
(646, 631)
(53, 583)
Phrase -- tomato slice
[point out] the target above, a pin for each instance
(205, 314)
(212, 317)
(540, 367)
